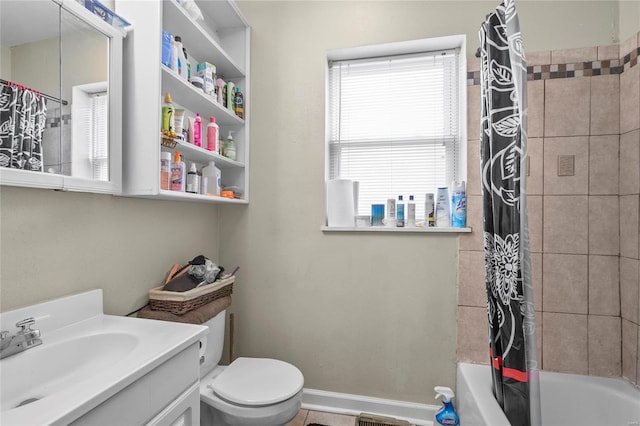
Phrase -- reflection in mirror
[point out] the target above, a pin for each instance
(61, 63)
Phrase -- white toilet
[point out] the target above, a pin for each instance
(248, 392)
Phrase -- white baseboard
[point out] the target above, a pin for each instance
(354, 405)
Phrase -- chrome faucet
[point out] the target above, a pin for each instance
(24, 339)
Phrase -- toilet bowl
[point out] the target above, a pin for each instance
(248, 392)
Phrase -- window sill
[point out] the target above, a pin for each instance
(413, 230)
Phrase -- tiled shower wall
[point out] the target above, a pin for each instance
(583, 107)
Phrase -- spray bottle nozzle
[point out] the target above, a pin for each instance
(444, 392)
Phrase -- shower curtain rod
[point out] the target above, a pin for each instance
(20, 86)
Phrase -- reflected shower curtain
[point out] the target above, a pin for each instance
(506, 235)
(22, 121)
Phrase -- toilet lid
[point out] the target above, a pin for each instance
(258, 381)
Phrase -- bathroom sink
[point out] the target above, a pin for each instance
(85, 360)
(49, 368)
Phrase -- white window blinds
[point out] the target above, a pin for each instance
(393, 125)
(99, 156)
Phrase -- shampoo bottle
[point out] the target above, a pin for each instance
(443, 211)
(238, 103)
(197, 131)
(446, 415)
(400, 212)
(212, 135)
(211, 179)
(230, 147)
(174, 57)
(231, 92)
(178, 173)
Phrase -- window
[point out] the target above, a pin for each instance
(394, 115)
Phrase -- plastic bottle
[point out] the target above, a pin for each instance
(458, 205)
(391, 212)
(197, 131)
(178, 173)
(211, 179)
(193, 180)
(446, 415)
(186, 61)
(165, 170)
(429, 211)
(230, 147)
(167, 113)
(400, 212)
(221, 92)
(231, 91)
(182, 60)
(411, 212)
(174, 65)
(238, 103)
(212, 136)
(443, 212)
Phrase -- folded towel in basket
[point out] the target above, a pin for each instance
(199, 315)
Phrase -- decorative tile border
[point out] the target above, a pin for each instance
(578, 69)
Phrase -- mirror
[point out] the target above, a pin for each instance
(55, 88)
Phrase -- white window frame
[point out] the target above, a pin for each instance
(406, 48)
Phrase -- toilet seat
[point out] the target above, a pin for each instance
(255, 382)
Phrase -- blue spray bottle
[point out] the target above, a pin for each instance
(446, 415)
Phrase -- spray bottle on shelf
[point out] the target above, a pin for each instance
(230, 147)
(446, 415)
(212, 136)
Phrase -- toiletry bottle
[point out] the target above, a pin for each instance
(400, 212)
(212, 135)
(238, 103)
(458, 205)
(391, 212)
(446, 415)
(165, 170)
(231, 91)
(211, 179)
(166, 48)
(193, 183)
(429, 211)
(443, 212)
(186, 61)
(411, 212)
(230, 147)
(167, 114)
(174, 57)
(197, 131)
(182, 60)
(178, 173)
(221, 92)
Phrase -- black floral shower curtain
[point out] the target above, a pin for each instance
(506, 236)
(23, 114)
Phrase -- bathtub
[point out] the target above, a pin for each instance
(566, 399)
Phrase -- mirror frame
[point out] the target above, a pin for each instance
(30, 179)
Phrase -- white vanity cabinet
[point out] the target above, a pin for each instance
(222, 38)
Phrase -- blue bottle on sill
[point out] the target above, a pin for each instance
(446, 415)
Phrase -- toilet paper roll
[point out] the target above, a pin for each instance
(340, 203)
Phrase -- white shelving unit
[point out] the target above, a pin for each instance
(223, 39)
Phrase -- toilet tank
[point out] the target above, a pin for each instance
(212, 344)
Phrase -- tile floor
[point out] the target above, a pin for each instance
(306, 417)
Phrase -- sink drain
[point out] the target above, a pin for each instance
(27, 401)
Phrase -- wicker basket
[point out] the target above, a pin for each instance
(182, 302)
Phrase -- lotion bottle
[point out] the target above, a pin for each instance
(211, 179)
(197, 131)
(178, 173)
(230, 147)
(212, 135)
(411, 212)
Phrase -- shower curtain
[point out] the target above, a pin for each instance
(506, 235)
(22, 121)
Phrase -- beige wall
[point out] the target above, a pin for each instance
(5, 62)
(629, 18)
(359, 313)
